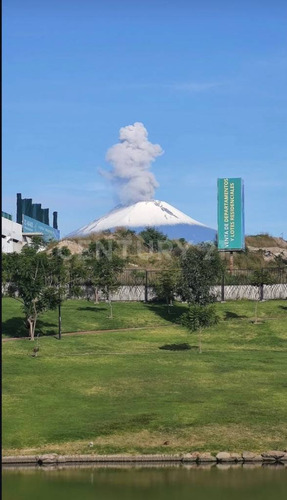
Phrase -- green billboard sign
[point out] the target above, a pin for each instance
(230, 214)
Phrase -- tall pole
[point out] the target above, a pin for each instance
(222, 287)
(146, 287)
(59, 304)
(59, 316)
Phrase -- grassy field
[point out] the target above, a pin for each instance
(122, 392)
(83, 315)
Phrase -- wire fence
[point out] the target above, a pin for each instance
(254, 284)
(140, 285)
(266, 275)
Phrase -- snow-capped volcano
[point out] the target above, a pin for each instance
(159, 214)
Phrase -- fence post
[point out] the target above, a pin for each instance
(146, 287)
(222, 287)
(261, 286)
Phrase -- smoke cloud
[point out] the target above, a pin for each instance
(131, 159)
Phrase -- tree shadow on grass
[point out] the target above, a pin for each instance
(283, 307)
(233, 315)
(169, 313)
(16, 328)
(177, 347)
(91, 308)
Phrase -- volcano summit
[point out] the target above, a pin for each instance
(153, 213)
(135, 185)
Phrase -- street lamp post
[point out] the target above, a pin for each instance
(59, 304)
(60, 318)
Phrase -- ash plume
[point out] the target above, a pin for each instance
(131, 159)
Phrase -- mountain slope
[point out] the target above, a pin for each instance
(158, 214)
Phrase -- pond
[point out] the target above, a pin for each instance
(142, 483)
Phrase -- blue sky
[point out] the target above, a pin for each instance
(207, 79)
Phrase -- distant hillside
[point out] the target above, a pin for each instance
(264, 250)
(265, 241)
(132, 247)
(261, 250)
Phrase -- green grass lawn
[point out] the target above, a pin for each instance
(83, 315)
(123, 393)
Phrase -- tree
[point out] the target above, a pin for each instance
(201, 267)
(199, 317)
(30, 282)
(77, 273)
(280, 261)
(153, 239)
(59, 278)
(166, 286)
(104, 267)
(41, 280)
(7, 272)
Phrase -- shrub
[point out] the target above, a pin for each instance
(261, 277)
(198, 317)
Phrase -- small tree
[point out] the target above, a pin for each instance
(104, 267)
(67, 274)
(7, 272)
(77, 274)
(166, 286)
(199, 317)
(201, 267)
(59, 278)
(30, 273)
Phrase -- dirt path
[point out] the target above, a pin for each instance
(88, 332)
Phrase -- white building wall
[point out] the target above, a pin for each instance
(12, 240)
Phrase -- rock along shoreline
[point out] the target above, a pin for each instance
(197, 458)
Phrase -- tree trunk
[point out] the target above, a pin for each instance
(256, 312)
(199, 340)
(32, 320)
(31, 328)
(111, 310)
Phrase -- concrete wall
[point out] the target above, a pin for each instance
(231, 292)
(251, 292)
(12, 240)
